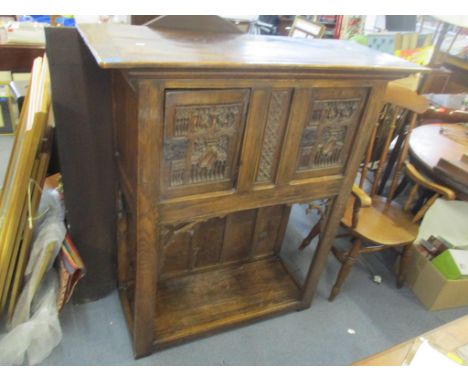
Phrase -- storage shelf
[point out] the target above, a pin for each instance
(194, 305)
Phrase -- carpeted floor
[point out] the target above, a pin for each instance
(381, 316)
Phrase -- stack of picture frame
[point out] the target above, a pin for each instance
(21, 191)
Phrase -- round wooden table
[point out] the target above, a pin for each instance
(429, 143)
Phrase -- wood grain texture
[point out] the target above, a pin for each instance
(238, 235)
(383, 223)
(220, 242)
(129, 46)
(427, 145)
(125, 115)
(197, 304)
(147, 241)
(446, 338)
(19, 58)
(221, 203)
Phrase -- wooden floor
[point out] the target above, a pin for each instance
(193, 305)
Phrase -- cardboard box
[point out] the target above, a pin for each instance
(433, 290)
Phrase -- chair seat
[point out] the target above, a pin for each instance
(382, 223)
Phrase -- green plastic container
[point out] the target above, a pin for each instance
(449, 267)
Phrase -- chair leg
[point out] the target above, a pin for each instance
(404, 262)
(313, 232)
(346, 268)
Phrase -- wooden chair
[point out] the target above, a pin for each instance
(378, 220)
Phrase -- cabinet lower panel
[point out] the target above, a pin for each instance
(219, 242)
(199, 304)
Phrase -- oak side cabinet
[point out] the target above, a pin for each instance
(216, 135)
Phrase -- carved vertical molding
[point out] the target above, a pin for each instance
(273, 137)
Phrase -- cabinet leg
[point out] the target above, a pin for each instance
(145, 301)
(150, 104)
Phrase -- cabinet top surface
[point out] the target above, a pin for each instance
(129, 46)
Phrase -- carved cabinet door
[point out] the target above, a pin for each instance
(203, 131)
(332, 116)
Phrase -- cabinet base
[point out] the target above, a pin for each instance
(204, 303)
(200, 304)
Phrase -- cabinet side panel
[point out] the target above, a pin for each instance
(125, 104)
(82, 106)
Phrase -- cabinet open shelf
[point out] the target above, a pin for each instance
(194, 305)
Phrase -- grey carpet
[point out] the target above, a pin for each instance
(380, 315)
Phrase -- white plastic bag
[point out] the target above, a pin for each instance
(37, 335)
(49, 233)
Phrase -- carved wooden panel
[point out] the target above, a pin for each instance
(273, 137)
(177, 253)
(267, 227)
(329, 129)
(221, 241)
(208, 242)
(238, 235)
(202, 135)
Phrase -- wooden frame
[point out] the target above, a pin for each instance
(24, 178)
